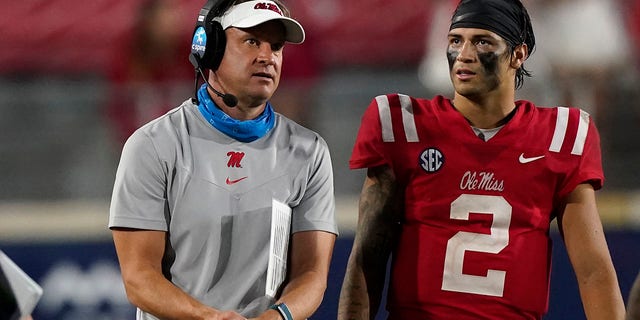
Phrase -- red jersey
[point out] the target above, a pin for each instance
(475, 237)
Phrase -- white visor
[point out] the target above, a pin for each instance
(252, 13)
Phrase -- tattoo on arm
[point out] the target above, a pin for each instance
(379, 217)
(376, 235)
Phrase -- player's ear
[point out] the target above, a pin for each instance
(520, 54)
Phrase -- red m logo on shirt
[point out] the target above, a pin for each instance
(234, 159)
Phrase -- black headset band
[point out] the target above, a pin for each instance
(213, 51)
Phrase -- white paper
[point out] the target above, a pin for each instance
(278, 246)
(26, 291)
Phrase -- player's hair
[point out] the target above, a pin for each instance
(527, 38)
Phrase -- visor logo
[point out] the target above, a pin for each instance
(267, 6)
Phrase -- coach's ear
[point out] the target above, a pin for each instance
(520, 54)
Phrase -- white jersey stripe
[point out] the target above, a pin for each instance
(562, 120)
(581, 136)
(385, 118)
(408, 121)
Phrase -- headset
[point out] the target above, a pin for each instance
(207, 46)
(209, 39)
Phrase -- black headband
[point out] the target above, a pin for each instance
(507, 18)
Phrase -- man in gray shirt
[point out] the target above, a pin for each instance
(222, 208)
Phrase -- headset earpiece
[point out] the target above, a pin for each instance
(209, 40)
(217, 42)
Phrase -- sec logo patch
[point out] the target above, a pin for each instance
(431, 160)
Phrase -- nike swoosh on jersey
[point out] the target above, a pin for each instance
(523, 159)
(230, 182)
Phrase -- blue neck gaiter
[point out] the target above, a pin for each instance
(243, 131)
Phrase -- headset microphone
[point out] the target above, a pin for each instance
(228, 99)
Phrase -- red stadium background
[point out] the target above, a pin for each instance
(78, 36)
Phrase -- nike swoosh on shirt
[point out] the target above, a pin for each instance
(230, 182)
(523, 159)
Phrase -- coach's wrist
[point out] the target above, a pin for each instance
(269, 314)
(283, 310)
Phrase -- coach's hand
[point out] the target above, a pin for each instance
(269, 314)
(227, 315)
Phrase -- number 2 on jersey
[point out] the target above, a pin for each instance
(493, 283)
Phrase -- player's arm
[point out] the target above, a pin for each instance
(633, 305)
(376, 234)
(140, 255)
(308, 270)
(587, 249)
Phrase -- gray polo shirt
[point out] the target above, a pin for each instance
(213, 195)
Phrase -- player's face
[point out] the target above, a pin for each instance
(478, 61)
(252, 61)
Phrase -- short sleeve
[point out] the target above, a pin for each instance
(316, 210)
(589, 168)
(139, 193)
(368, 149)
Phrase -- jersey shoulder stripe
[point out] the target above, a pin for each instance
(385, 104)
(561, 134)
